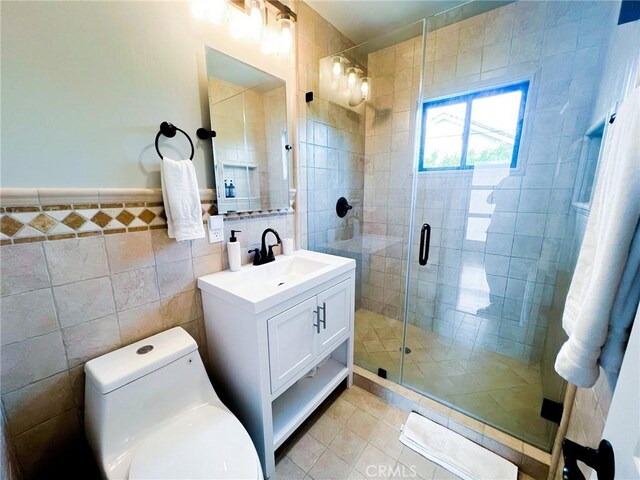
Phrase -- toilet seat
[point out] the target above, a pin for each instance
(208, 443)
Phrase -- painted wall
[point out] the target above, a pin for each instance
(82, 109)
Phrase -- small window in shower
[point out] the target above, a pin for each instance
(483, 127)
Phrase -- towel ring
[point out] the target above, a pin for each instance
(169, 130)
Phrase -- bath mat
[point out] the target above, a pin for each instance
(453, 452)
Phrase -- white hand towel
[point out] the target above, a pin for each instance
(181, 199)
(614, 215)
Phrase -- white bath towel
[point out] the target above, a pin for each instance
(452, 451)
(624, 309)
(614, 215)
(181, 199)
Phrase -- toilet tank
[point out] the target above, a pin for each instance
(131, 391)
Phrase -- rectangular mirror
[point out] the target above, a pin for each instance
(251, 152)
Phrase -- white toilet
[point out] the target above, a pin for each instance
(151, 412)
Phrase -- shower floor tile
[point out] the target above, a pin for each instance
(499, 390)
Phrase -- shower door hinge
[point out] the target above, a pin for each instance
(382, 373)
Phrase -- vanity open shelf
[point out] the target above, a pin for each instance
(295, 404)
(280, 340)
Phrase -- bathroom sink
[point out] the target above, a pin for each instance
(256, 288)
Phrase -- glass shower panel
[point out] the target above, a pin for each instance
(367, 103)
(500, 144)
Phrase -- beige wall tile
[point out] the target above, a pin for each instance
(196, 330)
(76, 259)
(84, 301)
(175, 277)
(129, 251)
(39, 447)
(23, 268)
(27, 315)
(32, 360)
(140, 322)
(167, 249)
(91, 339)
(179, 309)
(207, 264)
(38, 402)
(76, 377)
(202, 247)
(134, 288)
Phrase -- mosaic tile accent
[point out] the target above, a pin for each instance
(55, 222)
(26, 224)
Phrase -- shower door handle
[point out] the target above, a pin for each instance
(425, 242)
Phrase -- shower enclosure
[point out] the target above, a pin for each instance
(466, 147)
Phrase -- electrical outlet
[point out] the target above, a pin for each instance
(216, 229)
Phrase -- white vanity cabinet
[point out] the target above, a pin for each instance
(279, 341)
(294, 346)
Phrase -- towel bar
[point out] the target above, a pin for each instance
(169, 130)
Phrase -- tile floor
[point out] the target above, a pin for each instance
(499, 390)
(356, 437)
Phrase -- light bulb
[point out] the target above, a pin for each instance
(352, 77)
(365, 87)
(286, 33)
(337, 67)
(255, 19)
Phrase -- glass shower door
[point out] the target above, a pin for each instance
(500, 143)
(360, 144)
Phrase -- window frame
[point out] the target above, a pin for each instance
(522, 86)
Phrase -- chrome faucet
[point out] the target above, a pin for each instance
(263, 255)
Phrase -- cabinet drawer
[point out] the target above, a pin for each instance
(292, 342)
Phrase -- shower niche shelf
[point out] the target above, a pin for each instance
(588, 166)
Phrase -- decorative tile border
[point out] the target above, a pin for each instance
(28, 215)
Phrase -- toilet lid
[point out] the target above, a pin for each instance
(208, 443)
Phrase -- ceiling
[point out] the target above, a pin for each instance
(363, 20)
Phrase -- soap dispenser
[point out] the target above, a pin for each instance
(233, 250)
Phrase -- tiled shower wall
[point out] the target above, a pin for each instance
(67, 301)
(331, 141)
(559, 46)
